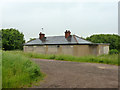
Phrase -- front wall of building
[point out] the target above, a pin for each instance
(39, 49)
(93, 49)
(28, 48)
(75, 50)
(81, 50)
(51, 49)
(67, 49)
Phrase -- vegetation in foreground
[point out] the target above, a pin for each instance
(19, 71)
(106, 59)
(0, 69)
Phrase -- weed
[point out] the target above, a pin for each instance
(18, 70)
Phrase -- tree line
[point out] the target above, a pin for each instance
(13, 39)
(112, 39)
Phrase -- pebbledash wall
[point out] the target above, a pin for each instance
(75, 50)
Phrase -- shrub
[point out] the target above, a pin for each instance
(113, 51)
(12, 39)
(18, 70)
(51, 56)
(60, 57)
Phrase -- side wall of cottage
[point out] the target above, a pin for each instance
(103, 49)
(75, 50)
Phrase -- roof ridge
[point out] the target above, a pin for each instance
(75, 38)
(58, 36)
(82, 38)
(78, 36)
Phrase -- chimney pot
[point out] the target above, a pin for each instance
(67, 33)
(41, 35)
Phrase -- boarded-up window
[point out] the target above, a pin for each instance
(106, 49)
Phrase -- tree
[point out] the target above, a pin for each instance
(12, 39)
(112, 39)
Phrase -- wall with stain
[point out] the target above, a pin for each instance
(75, 50)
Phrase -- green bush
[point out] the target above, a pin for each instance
(113, 51)
(51, 56)
(18, 70)
(12, 39)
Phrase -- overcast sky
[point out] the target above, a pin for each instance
(82, 18)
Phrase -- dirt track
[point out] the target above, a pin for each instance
(65, 74)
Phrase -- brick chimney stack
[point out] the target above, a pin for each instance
(67, 33)
(41, 35)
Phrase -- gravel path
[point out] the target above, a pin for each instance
(66, 74)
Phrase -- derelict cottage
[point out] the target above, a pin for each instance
(67, 44)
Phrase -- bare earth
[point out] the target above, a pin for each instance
(66, 74)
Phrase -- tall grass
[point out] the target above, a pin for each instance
(18, 71)
(0, 69)
(106, 59)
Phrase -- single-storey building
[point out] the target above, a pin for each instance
(67, 44)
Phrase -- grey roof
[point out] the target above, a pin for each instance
(59, 40)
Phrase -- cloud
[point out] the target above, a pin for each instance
(59, 1)
(82, 19)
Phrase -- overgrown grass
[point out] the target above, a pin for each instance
(0, 69)
(19, 71)
(106, 59)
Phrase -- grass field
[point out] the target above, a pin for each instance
(106, 59)
(19, 71)
(0, 69)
